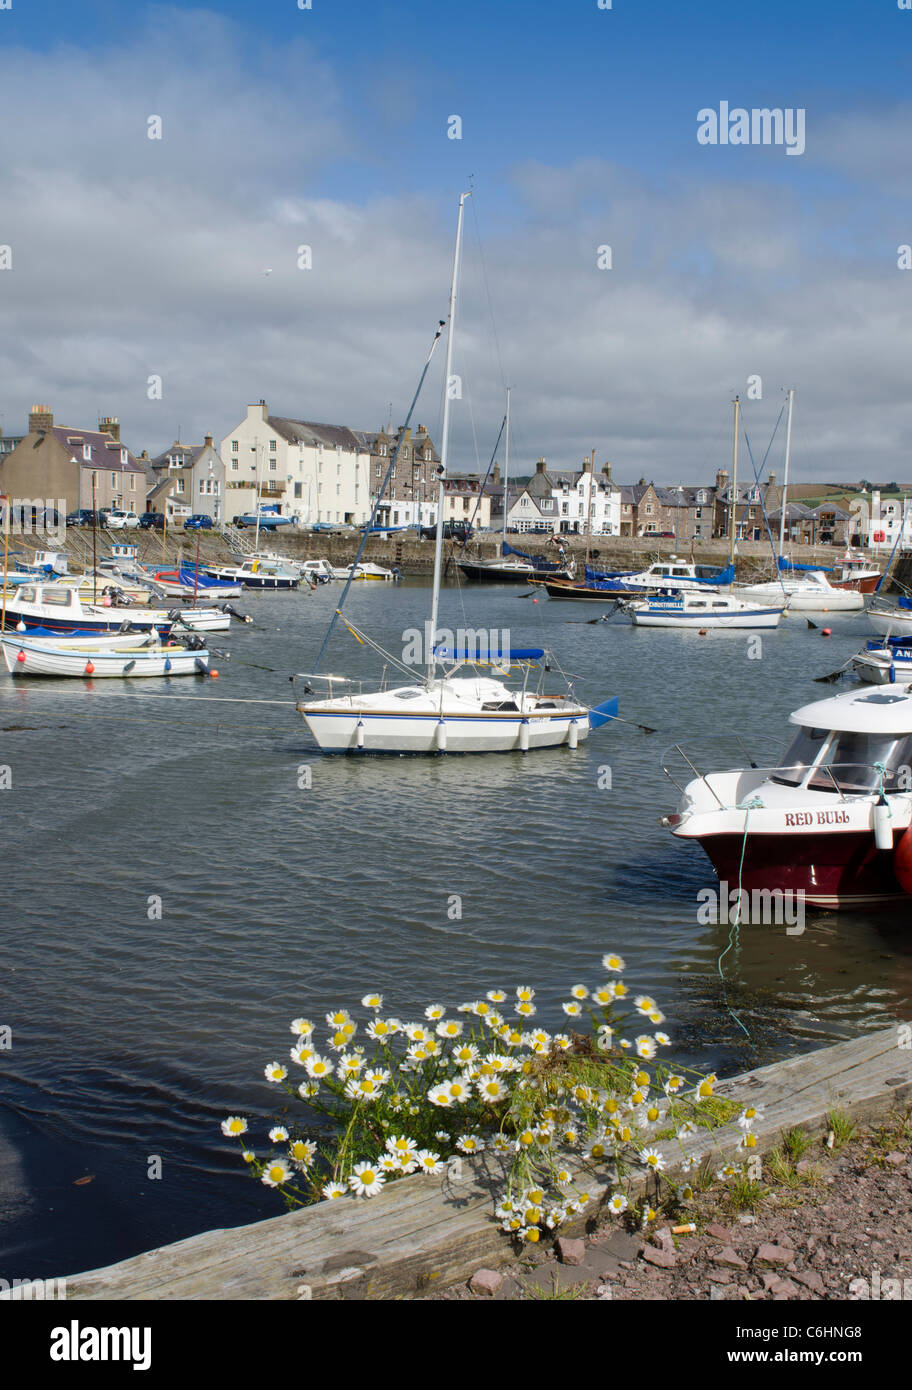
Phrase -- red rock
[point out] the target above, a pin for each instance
(719, 1233)
(569, 1251)
(486, 1281)
(728, 1257)
(895, 1158)
(811, 1280)
(664, 1259)
(773, 1255)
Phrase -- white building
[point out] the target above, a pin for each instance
(313, 471)
(567, 502)
(889, 517)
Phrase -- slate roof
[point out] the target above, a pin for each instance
(106, 451)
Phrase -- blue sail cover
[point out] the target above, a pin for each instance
(598, 576)
(905, 602)
(785, 564)
(537, 561)
(726, 576)
(482, 654)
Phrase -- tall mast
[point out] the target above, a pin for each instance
(506, 475)
(788, 454)
(733, 520)
(589, 508)
(444, 445)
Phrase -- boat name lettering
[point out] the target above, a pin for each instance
(794, 818)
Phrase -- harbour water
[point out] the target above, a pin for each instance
(133, 1035)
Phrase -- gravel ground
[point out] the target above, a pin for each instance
(823, 1218)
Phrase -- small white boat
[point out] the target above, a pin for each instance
(892, 620)
(671, 608)
(676, 574)
(363, 571)
(257, 572)
(807, 591)
(316, 571)
(27, 657)
(885, 663)
(59, 606)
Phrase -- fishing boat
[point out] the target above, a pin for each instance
(186, 582)
(60, 608)
(885, 662)
(698, 611)
(855, 571)
(317, 571)
(25, 656)
(685, 576)
(447, 711)
(831, 822)
(256, 572)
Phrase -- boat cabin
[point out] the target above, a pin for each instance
(857, 744)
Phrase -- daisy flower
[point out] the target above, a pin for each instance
(439, 1095)
(617, 1203)
(496, 996)
(366, 1179)
(247, 1156)
(276, 1172)
(644, 1004)
(573, 1009)
(561, 1041)
(302, 1151)
(372, 1001)
(645, 1047)
(491, 1089)
(302, 1027)
(579, 992)
(428, 1161)
(388, 1163)
(673, 1085)
(662, 1038)
(749, 1141)
(308, 1089)
(333, 1189)
(686, 1129)
(275, 1072)
(502, 1145)
(416, 1032)
(525, 1009)
(434, 1011)
(301, 1053)
(278, 1134)
(613, 962)
(470, 1144)
(465, 1054)
(349, 1065)
(750, 1115)
(604, 994)
(653, 1159)
(363, 1088)
(524, 994)
(338, 1020)
(317, 1066)
(449, 1028)
(234, 1124)
(380, 1029)
(705, 1089)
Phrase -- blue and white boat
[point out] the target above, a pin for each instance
(673, 608)
(885, 662)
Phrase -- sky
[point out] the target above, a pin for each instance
(734, 268)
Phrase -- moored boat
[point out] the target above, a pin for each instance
(25, 656)
(829, 820)
(673, 608)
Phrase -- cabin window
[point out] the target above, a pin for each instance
(697, 603)
(58, 598)
(719, 603)
(27, 595)
(804, 750)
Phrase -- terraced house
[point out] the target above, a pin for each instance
(72, 467)
(188, 480)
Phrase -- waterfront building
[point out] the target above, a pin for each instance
(188, 480)
(72, 466)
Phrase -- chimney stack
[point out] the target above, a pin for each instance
(540, 466)
(40, 419)
(111, 425)
(208, 441)
(722, 478)
(606, 469)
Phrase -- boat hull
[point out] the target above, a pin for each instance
(338, 732)
(830, 870)
(41, 659)
(757, 618)
(891, 623)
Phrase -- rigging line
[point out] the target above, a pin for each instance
(484, 276)
(382, 489)
(363, 638)
(758, 472)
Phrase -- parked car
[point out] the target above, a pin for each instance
(83, 516)
(452, 531)
(200, 521)
(154, 521)
(118, 520)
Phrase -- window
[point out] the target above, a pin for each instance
(297, 489)
(272, 465)
(132, 482)
(234, 446)
(648, 509)
(379, 470)
(178, 484)
(202, 485)
(113, 479)
(234, 464)
(87, 451)
(381, 450)
(123, 456)
(272, 446)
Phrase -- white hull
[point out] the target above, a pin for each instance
(758, 618)
(47, 660)
(376, 733)
(887, 624)
(817, 598)
(363, 572)
(202, 620)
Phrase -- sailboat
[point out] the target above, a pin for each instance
(514, 566)
(447, 711)
(799, 587)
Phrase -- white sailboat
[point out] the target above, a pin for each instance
(449, 712)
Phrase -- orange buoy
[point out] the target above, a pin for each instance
(90, 668)
(214, 675)
(827, 632)
(702, 632)
(21, 656)
(535, 600)
(902, 861)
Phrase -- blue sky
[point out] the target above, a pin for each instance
(328, 126)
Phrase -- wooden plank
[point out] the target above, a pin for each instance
(424, 1232)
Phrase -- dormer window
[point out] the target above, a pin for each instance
(123, 456)
(87, 452)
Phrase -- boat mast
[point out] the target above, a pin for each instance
(444, 446)
(589, 508)
(733, 519)
(256, 476)
(506, 475)
(785, 483)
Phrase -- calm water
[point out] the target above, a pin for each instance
(134, 1037)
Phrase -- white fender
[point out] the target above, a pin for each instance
(573, 734)
(883, 826)
(359, 734)
(524, 736)
(440, 736)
